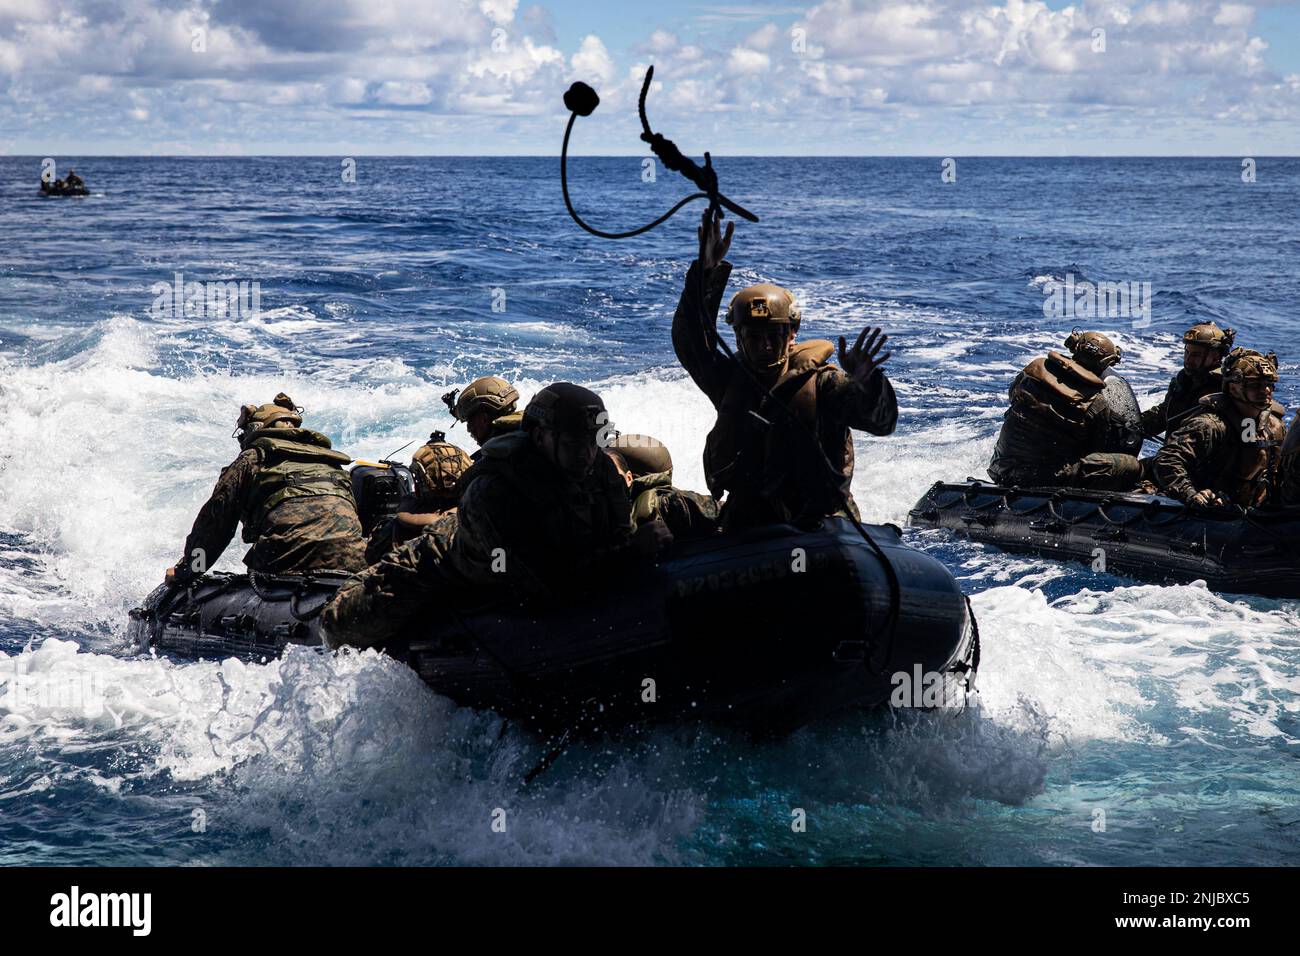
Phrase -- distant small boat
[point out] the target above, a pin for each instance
(60, 188)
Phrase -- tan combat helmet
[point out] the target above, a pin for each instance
(1211, 336)
(280, 409)
(437, 467)
(489, 394)
(644, 455)
(1246, 366)
(764, 304)
(1093, 351)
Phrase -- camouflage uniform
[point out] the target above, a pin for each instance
(765, 464)
(395, 530)
(1210, 452)
(1184, 394)
(1289, 468)
(290, 533)
(525, 531)
(688, 514)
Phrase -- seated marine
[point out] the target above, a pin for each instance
(781, 449)
(436, 466)
(288, 489)
(487, 407)
(1228, 451)
(73, 180)
(1073, 422)
(543, 515)
(1205, 346)
(1288, 480)
(647, 467)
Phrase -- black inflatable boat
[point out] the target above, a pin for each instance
(770, 629)
(1148, 537)
(50, 190)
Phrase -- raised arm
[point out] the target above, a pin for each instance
(695, 324)
(862, 394)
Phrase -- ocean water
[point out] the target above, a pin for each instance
(1118, 723)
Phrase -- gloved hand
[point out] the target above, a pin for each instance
(652, 537)
(179, 574)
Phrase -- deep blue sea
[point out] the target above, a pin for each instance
(1118, 723)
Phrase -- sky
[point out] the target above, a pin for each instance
(486, 77)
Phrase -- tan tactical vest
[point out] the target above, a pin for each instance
(505, 424)
(1253, 472)
(1055, 392)
(741, 450)
(295, 463)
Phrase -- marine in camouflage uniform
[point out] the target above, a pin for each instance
(487, 407)
(1205, 346)
(543, 514)
(647, 467)
(436, 466)
(288, 489)
(1229, 451)
(1072, 422)
(1288, 490)
(781, 449)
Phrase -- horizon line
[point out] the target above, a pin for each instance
(556, 156)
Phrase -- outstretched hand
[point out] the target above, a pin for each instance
(713, 244)
(864, 359)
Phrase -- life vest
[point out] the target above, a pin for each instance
(764, 453)
(505, 424)
(294, 463)
(646, 491)
(1252, 470)
(569, 517)
(1055, 393)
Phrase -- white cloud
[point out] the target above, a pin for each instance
(404, 94)
(745, 62)
(270, 67)
(661, 41)
(499, 11)
(592, 63)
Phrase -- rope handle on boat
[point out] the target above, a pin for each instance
(969, 493)
(257, 589)
(307, 581)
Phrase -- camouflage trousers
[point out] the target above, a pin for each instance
(374, 608)
(1103, 471)
(1100, 471)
